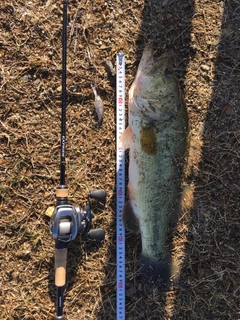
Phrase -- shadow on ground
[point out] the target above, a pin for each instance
(211, 267)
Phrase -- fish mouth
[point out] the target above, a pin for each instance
(152, 66)
(161, 66)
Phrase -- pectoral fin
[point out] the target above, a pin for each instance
(130, 220)
(126, 139)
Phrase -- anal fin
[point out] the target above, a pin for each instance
(129, 218)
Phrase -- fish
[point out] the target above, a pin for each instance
(109, 68)
(98, 105)
(157, 138)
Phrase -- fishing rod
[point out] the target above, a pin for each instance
(68, 219)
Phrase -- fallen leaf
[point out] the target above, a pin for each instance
(46, 194)
(227, 110)
(49, 211)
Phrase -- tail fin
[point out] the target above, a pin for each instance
(156, 272)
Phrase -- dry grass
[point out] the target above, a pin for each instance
(203, 37)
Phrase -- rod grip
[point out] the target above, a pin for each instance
(62, 192)
(60, 267)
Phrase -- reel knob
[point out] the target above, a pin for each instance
(96, 234)
(99, 195)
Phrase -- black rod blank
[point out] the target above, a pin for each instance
(64, 95)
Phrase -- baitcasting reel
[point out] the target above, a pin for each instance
(67, 220)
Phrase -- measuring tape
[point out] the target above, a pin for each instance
(120, 190)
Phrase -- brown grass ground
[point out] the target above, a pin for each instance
(203, 37)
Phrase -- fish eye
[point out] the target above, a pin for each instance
(168, 72)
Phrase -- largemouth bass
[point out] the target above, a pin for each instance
(157, 139)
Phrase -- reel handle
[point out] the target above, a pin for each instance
(99, 195)
(96, 234)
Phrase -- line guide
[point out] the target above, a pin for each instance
(120, 187)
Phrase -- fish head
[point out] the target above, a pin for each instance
(155, 91)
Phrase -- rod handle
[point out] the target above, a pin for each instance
(59, 318)
(99, 195)
(60, 266)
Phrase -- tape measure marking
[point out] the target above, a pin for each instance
(120, 188)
